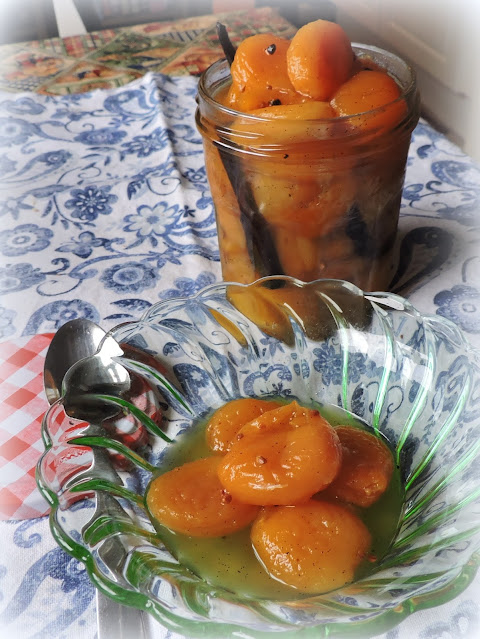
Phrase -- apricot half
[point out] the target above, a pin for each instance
(282, 457)
(259, 73)
(190, 499)
(366, 470)
(314, 547)
(319, 59)
(374, 96)
(226, 421)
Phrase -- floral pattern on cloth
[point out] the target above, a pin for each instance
(105, 191)
(105, 209)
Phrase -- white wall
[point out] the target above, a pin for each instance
(441, 38)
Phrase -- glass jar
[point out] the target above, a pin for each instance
(308, 198)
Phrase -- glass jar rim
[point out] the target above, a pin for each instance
(406, 92)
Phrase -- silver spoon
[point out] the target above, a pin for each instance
(79, 364)
(75, 367)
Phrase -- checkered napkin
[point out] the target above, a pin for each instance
(23, 404)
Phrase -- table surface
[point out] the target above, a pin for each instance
(105, 209)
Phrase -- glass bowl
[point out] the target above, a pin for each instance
(411, 377)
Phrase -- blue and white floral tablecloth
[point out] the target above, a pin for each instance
(105, 210)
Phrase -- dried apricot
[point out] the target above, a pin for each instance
(319, 59)
(311, 208)
(225, 423)
(374, 96)
(303, 307)
(191, 500)
(314, 547)
(259, 73)
(291, 136)
(308, 260)
(311, 110)
(282, 457)
(262, 311)
(255, 97)
(299, 123)
(366, 470)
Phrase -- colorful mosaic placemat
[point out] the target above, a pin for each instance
(114, 57)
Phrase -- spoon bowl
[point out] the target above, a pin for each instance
(79, 366)
(73, 341)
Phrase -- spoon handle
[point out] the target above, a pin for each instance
(115, 621)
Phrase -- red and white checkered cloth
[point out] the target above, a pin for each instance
(23, 404)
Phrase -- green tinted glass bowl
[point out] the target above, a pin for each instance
(412, 377)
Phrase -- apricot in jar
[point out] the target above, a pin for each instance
(259, 73)
(319, 59)
(191, 500)
(282, 457)
(314, 547)
(299, 123)
(373, 97)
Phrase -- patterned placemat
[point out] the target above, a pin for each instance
(114, 57)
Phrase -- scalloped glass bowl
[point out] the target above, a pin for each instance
(412, 377)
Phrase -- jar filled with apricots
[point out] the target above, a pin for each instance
(306, 144)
